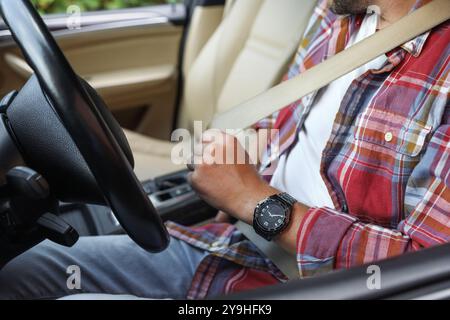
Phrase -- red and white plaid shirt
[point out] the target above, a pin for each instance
(386, 166)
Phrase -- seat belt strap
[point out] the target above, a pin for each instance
(284, 261)
(248, 113)
(264, 105)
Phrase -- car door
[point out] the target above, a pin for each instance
(421, 275)
(130, 56)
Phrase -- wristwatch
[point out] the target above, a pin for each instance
(272, 215)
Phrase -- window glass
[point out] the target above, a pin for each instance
(61, 6)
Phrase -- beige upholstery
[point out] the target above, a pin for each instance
(247, 55)
(204, 22)
(151, 156)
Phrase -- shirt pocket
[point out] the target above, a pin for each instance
(396, 132)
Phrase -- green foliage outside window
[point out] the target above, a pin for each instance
(60, 6)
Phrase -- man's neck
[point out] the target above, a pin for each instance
(392, 11)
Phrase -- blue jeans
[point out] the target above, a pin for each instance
(107, 265)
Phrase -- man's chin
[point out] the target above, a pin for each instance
(348, 7)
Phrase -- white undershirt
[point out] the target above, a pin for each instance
(298, 172)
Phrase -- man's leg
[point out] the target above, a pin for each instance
(109, 264)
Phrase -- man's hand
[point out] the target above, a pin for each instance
(226, 183)
(237, 188)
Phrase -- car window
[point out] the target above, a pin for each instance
(63, 6)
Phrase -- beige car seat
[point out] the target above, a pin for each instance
(247, 54)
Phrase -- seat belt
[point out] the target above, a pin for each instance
(245, 115)
(267, 103)
(286, 262)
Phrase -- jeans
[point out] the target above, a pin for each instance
(104, 264)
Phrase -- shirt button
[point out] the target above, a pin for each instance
(388, 137)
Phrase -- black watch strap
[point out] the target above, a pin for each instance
(287, 198)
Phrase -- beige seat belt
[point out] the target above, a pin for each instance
(264, 105)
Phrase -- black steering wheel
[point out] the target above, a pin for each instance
(65, 132)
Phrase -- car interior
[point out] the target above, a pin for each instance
(80, 103)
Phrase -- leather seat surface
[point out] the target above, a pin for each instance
(247, 55)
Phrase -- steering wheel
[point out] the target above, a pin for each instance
(65, 131)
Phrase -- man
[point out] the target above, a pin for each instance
(367, 159)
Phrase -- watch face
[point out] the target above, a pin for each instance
(271, 216)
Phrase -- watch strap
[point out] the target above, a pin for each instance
(287, 198)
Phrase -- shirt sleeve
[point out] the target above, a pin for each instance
(328, 239)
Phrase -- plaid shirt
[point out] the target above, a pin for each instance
(386, 166)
